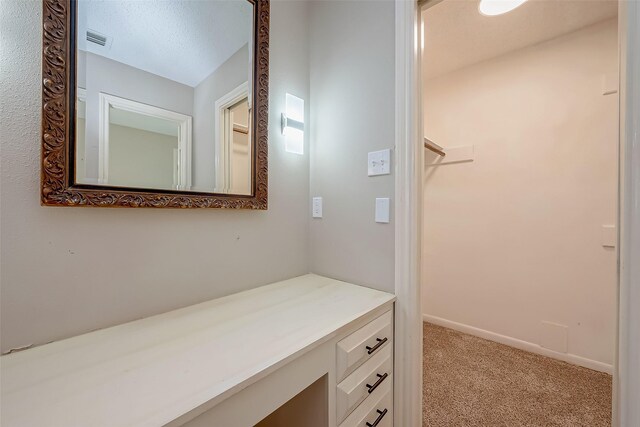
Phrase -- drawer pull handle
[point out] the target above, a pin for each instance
(377, 346)
(377, 383)
(381, 415)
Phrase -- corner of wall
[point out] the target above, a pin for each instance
(352, 89)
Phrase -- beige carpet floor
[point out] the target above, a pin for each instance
(470, 381)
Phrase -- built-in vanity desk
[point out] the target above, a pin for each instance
(308, 351)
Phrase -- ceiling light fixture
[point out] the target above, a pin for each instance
(498, 7)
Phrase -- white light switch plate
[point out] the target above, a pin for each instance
(316, 210)
(379, 162)
(609, 236)
(382, 210)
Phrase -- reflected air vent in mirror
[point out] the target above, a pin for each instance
(96, 38)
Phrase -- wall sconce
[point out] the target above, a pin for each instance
(293, 125)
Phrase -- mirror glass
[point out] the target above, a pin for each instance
(164, 95)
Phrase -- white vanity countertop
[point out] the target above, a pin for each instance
(154, 370)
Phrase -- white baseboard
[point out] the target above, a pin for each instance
(519, 344)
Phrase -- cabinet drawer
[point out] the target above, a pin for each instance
(377, 408)
(355, 349)
(374, 373)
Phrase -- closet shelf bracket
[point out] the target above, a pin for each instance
(434, 147)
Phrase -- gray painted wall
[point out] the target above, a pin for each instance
(66, 271)
(352, 64)
(70, 271)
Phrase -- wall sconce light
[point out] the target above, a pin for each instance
(293, 125)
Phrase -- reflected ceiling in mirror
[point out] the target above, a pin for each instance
(164, 95)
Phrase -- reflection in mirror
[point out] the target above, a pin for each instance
(164, 95)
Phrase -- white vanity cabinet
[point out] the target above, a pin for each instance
(368, 355)
(309, 351)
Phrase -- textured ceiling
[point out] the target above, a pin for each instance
(457, 35)
(184, 41)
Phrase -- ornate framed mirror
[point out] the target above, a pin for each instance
(155, 103)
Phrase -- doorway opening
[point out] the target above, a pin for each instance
(233, 142)
(520, 195)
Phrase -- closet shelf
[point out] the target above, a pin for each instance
(434, 147)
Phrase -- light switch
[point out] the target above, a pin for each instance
(316, 210)
(382, 210)
(379, 162)
(609, 236)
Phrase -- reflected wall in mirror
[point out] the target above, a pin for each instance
(167, 105)
(153, 77)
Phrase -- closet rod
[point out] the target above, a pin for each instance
(434, 147)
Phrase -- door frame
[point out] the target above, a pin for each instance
(183, 121)
(626, 392)
(222, 151)
(408, 211)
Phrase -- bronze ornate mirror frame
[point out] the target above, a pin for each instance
(58, 124)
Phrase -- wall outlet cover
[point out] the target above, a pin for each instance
(316, 208)
(383, 206)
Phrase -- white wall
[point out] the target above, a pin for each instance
(514, 237)
(352, 112)
(66, 271)
(231, 74)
